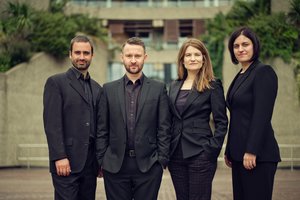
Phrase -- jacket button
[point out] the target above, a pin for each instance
(87, 124)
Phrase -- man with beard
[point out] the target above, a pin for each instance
(70, 110)
(133, 130)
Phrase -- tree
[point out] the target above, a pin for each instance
(214, 40)
(294, 13)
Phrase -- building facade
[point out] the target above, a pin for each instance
(162, 24)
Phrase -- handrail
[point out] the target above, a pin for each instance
(155, 4)
(28, 155)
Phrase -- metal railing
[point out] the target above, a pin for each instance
(26, 153)
(292, 158)
(154, 4)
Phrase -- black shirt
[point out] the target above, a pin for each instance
(131, 103)
(86, 85)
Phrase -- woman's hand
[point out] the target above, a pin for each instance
(227, 162)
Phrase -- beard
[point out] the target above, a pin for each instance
(133, 69)
(81, 67)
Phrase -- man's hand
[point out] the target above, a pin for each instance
(100, 173)
(249, 161)
(63, 167)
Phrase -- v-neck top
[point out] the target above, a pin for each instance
(181, 100)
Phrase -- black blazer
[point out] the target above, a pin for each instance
(192, 127)
(152, 137)
(251, 108)
(67, 119)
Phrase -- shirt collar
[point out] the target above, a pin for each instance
(138, 81)
(79, 75)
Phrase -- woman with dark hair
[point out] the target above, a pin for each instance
(252, 150)
(194, 146)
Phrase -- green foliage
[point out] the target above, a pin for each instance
(90, 26)
(294, 13)
(19, 17)
(52, 33)
(4, 62)
(57, 6)
(215, 42)
(240, 13)
(24, 31)
(276, 36)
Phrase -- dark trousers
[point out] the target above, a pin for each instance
(253, 184)
(130, 183)
(192, 177)
(79, 186)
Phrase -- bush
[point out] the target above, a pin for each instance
(214, 41)
(24, 31)
(277, 37)
(4, 62)
(52, 33)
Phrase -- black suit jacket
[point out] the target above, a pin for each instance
(152, 137)
(67, 119)
(251, 108)
(192, 128)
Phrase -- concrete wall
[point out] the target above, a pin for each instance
(21, 91)
(3, 135)
(280, 6)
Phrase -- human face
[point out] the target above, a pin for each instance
(243, 50)
(133, 58)
(81, 55)
(193, 59)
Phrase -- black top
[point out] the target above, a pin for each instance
(131, 102)
(181, 99)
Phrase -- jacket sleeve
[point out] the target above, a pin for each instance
(218, 107)
(102, 127)
(53, 120)
(264, 94)
(164, 123)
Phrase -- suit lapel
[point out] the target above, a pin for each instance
(143, 96)
(232, 90)
(173, 95)
(121, 95)
(95, 91)
(194, 94)
(76, 85)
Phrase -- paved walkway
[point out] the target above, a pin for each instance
(33, 184)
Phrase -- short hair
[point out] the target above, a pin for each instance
(247, 32)
(81, 38)
(205, 74)
(134, 41)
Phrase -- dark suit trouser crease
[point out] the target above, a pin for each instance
(79, 186)
(130, 183)
(253, 184)
(192, 177)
